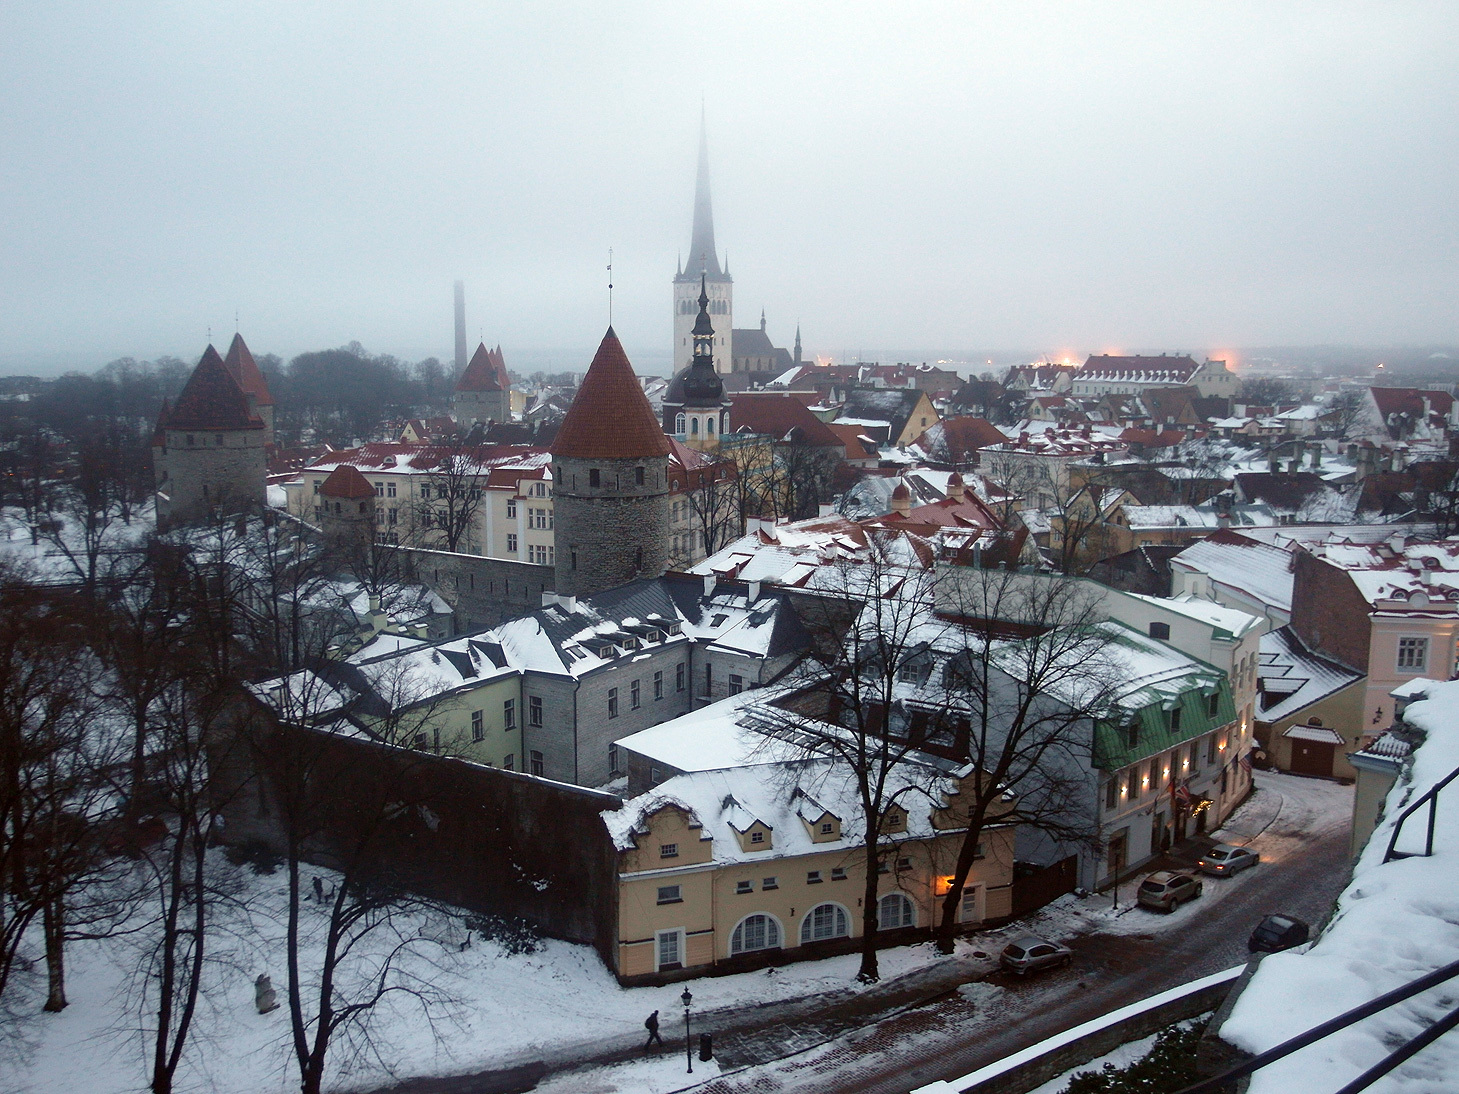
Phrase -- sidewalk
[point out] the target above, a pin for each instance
(742, 1036)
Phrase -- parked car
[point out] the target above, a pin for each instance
(1277, 932)
(1167, 890)
(1031, 953)
(1224, 859)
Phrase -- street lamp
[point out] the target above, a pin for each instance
(686, 999)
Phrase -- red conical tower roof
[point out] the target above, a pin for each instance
(345, 481)
(486, 371)
(610, 419)
(241, 364)
(212, 399)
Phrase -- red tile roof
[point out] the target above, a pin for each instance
(487, 371)
(777, 416)
(345, 481)
(610, 419)
(241, 364)
(212, 399)
(1410, 401)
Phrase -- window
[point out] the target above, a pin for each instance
(736, 684)
(1160, 631)
(1175, 720)
(389, 489)
(670, 948)
(633, 696)
(638, 476)
(679, 423)
(838, 873)
(317, 484)
(612, 702)
(534, 710)
(744, 887)
(769, 883)
(903, 865)
(511, 509)
(755, 932)
(478, 730)
(1132, 735)
(536, 762)
(813, 877)
(425, 491)
(1111, 794)
(420, 740)
(969, 912)
(896, 821)
(679, 676)
(893, 911)
(1150, 774)
(509, 714)
(757, 836)
(708, 679)
(668, 850)
(827, 827)
(1413, 653)
(824, 921)
(613, 760)
(1211, 749)
(594, 478)
(511, 543)
(509, 763)
(391, 515)
(659, 684)
(1213, 704)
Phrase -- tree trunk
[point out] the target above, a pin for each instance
(947, 928)
(54, 923)
(870, 971)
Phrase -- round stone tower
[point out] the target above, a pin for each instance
(345, 509)
(610, 476)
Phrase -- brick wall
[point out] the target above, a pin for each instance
(1328, 612)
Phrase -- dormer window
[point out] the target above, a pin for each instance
(757, 837)
(827, 827)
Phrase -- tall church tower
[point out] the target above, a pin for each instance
(703, 260)
(610, 481)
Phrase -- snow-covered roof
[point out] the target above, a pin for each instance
(724, 802)
(1423, 573)
(1198, 516)
(1396, 921)
(1293, 677)
(1261, 571)
(706, 739)
(1234, 622)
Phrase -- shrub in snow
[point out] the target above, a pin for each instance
(1170, 1065)
(512, 933)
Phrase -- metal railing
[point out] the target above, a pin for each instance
(1342, 1021)
(1429, 797)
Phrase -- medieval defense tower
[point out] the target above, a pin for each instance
(610, 474)
(483, 391)
(210, 449)
(703, 267)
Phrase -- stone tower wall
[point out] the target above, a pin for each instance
(196, 477)
(601, 530)
(686, 310)
(481, 406)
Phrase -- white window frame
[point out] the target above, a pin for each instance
(974, 896)
(772, 924)
(1420, 645)
(674, 935)
(840, 918)
(907, 904)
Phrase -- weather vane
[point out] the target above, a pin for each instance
(610, 286)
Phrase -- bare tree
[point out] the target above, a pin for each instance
(871, 627)
(712, 496)
(451, 497)
(1032, 672)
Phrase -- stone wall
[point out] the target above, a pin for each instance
(483, 839)
(614, 532)
(225, 468)
(482, 591)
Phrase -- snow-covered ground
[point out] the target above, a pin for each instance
(1123, 1056)
(1395, 922)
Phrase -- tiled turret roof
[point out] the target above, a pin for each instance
(241, 364)
(345, 481)
(212, 399)
(487, 371)
(611, 417)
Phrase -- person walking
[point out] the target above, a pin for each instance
(651, 1023)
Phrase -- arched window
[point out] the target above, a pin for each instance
(679, 423)
(709, 424)
(824, 921)
(755, 932)
(694, 427)
(895, 910)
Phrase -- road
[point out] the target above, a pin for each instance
(1298, 825)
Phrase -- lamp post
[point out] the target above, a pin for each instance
(686, 999)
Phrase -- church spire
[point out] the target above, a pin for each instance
(703, 330)
(702, 246)
(797, 343)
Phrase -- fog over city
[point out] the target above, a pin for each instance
(901, 180)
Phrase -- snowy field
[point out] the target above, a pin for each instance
(559, 1004)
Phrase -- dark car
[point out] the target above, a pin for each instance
(1277, 932)
(1167, 890)
(1224, 859)
(1030, 953)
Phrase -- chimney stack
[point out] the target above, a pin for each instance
(460, 327)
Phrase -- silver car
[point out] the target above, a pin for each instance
(1225, 859)
(1167, 890)
(1031, 953)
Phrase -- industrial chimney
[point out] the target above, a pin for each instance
(460, 327)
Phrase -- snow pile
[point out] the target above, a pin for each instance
(1395, 922)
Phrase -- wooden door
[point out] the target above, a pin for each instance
(1312, 757)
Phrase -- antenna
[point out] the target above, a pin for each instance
(210, 334)
(610, 286)
(235, 320)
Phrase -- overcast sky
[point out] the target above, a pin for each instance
(1066, 178)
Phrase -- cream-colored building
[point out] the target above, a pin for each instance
(753, 864)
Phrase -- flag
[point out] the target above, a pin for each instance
(1181, 794)
(1246, 763)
